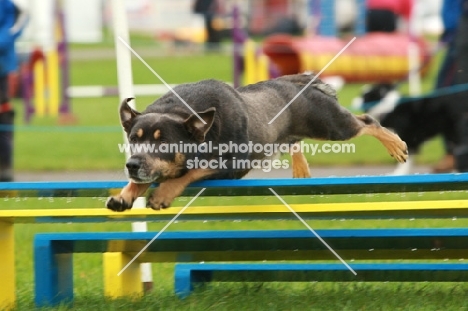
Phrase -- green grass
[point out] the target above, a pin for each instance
(238, 296)
(300, 296)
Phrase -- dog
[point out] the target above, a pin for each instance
(242, 115)
(416, 119)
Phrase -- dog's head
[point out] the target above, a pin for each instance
(155, 140)
(377, 99)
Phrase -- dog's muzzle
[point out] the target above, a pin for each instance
(133, 166)
(137, 171)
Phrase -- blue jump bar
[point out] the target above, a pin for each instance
(327, 185)
(246, 183)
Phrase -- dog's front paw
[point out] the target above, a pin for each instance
(163, 196)
(118, 204)
(158, 201)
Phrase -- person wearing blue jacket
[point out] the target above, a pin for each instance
(12, 22)
(461, 77)
(461, 45)
(450, 17)
(454, 67)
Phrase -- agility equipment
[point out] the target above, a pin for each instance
(372, 57)
(45, 79)
(54, 251)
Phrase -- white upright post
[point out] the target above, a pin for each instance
(125, 83)
(414, 77)
(414, 64)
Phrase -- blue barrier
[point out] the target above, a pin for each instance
(327, 185)
(429, 247)
(190, 276)
(53, 253)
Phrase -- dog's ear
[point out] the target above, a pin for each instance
(196, 127)
(127, 114)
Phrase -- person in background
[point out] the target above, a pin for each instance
(461, 45)
(452, 65)
(461, 78)
(450, 16)
(208, 9)
(383, 15)
(12, 22)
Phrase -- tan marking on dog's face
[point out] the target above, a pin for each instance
(167, 169)
(179, 159)
(139, 133)
(157, 134)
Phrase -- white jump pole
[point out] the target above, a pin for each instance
(125, 86)
(414, 64)
(414, 77)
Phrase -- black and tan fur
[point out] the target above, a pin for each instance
(238, 115)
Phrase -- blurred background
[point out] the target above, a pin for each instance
(88, 21)
(65, 90)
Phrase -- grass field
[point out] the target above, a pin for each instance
(91, 144)
(238, 296)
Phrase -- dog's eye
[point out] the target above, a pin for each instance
(163, 142)
(132, 139)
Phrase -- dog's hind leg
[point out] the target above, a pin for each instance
(395, 146)
(300, 167)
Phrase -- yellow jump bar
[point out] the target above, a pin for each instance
(41, 215)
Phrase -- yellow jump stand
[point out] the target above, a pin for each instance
(255, 66)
